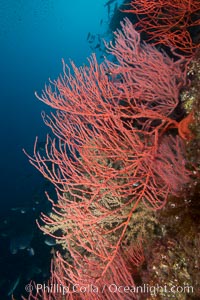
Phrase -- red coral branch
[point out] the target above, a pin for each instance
(169, 22)
(111, 153)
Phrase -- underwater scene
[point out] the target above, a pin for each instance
(100, 150)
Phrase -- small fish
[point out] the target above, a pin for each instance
(101, 22)
(49, 241)
(108, 10)
(33, 270)
(115, 8)
(22, 210)
(88, 36)
(97, 46)
(109, 2)
(99, 38)
(41, 146)
(31, 251)
(20, 242)
(14, 285)
(92, 38)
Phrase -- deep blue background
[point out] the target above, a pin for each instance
(34, 36)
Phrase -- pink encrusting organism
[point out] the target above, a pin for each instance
(113, 153)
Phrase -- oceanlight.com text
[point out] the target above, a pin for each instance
(111, 288)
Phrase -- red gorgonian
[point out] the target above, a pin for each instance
(112, 152)
(174, 23)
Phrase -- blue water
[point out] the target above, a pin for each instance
(34, 36)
